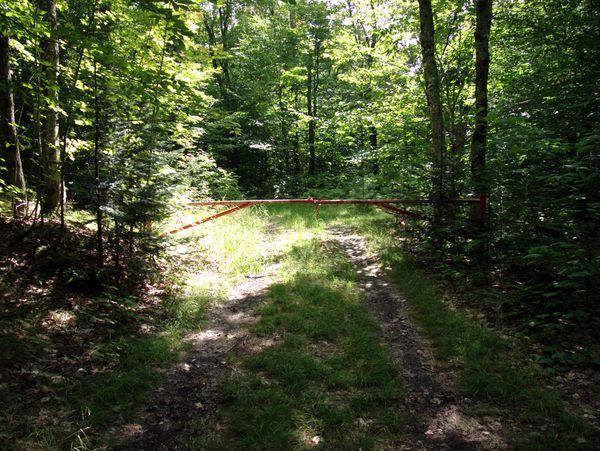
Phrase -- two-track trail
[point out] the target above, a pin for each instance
(190, 394)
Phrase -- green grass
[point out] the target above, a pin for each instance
(115, 396)
(327, 378)
(234, 242)
(492, 370)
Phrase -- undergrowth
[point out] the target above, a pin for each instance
(75, 365)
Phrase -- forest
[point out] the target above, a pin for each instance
(466, 317)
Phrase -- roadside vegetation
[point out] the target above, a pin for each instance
(493, 368)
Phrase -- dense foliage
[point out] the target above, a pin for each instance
(149, 103)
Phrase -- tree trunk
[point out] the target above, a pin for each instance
(9, 132)
(296, 147)
(482, 64)
(284, 130)
(374, 148)
(67, 124)
(311, 123)
(97, 195)
(224, 16)
(50, 157)
(432, 91)
(296, 140)
(312, 96)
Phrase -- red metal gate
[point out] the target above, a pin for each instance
(382, 203)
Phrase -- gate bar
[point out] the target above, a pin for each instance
(401, 211)
(209, 218)
(383, 203)
(310, 200)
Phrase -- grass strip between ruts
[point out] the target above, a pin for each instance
(324, 379)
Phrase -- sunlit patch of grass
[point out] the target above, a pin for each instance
(77, 218)
(187, 313)
(211, 258)
(297, 217)
(234, 244)
(327, 382)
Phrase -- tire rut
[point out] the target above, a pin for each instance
(190, 392)
(430, 392)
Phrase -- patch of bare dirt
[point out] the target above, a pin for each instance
(430, 391)
(190, 389)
